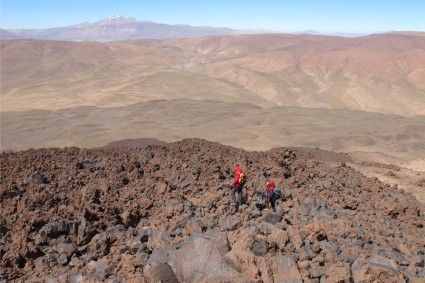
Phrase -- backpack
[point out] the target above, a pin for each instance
(242, 178)
(277, 192)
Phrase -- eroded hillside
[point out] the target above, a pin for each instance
(380, 73)
(162, 212)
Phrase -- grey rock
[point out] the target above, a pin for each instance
(166, 237)
(178, 231)
(62, 259)
(346, 258)
(162, 273)
(85, 232)
(259, 247)
(115, 232)
(144, 234)
(302, 254)
(377, 264)
(234, 223)
(78, 277)
(209, 205)
(54, 229)
(188, 207)
(201, 224)
(213, 223)
(202, 258)
(316, 271)
(285, 270)
(102, 269)
(162, 256)
(272, 218)
(333, 247)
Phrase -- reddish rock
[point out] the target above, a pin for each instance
(90, 215)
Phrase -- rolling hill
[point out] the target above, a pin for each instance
(379, 73)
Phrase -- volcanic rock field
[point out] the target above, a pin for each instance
(162, 213)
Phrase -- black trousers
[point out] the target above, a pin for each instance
(273, 197)
(273, 203)
(233, 191)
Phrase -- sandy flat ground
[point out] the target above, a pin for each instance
(415, 165)
(408, 176)
(237, 124)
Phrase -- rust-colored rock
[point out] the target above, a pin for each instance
(163, 212)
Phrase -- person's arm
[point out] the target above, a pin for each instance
(235, 180)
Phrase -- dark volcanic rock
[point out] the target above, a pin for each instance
(163, 213)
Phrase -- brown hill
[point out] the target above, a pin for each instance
(381, 73)
(137, 143)
(163, 214)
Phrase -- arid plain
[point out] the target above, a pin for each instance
(363, 95)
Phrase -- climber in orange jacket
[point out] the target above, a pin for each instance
(237, 185)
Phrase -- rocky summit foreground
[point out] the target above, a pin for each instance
(163, 214)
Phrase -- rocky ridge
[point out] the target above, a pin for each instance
(162, 213)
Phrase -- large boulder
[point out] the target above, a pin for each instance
(202, 257)
(161, 273)
(376, 269)
(163, 256)
(284, 270)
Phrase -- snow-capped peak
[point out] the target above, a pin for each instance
(117, 19)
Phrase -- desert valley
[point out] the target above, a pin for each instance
(117, 156)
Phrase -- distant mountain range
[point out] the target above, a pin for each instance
(4, 34)
(343, 34)
(123, 28)
(119, 28)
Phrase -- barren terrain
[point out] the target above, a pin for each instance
(162, 213)
(407, 176)
(116, 158)
(241, 125)
(382, 73)
(251, 91)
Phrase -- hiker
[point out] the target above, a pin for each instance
(270, 194)
(237, 185)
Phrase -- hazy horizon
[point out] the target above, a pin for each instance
(329, 16)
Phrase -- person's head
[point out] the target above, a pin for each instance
(237, 168)
(270, 183)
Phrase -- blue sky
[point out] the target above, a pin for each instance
(357, 16)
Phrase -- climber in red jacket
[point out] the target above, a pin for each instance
(271, 199)
(237, 185)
